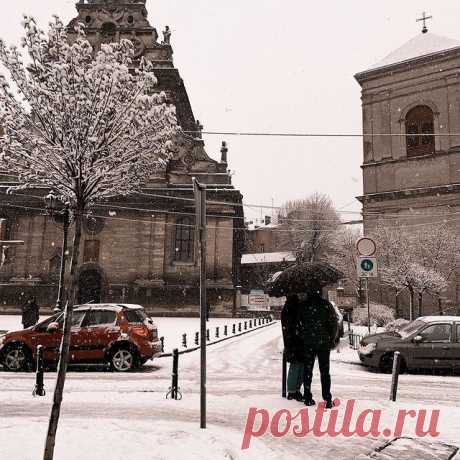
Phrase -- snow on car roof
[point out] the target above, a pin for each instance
(430, 319)
(109, 306)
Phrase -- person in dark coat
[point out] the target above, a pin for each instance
(318, 329)
(30, 312)
(293, 347)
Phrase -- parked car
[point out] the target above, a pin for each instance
(428, 342)
(119, 335)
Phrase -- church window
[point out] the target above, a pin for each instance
(91, 252)
(54, 267)
(420, 130)
(184, 240)
(108, 32)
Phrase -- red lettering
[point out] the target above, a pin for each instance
(249, 429)
(401, 420)
(303, 429)
(374, 426)
(345, 431)
(332, 423)
(319, 420)
(432, 428)
(275, 424)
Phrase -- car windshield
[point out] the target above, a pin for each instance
(135, 316)
(411, 328)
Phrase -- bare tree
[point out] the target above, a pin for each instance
(309, 227)
(402, 265)
(87, 125)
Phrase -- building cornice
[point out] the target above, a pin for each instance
(409, 193)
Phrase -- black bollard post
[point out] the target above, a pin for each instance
(395, 375)
(162, 340)
(217, 332)
(234, 328)
(184, 340)
(284, 376)
(250, 324)
(245, 325)
(207, 335)
(239, 327)
(175, 375)
(39, 389)
(225, 330)
(197, 338)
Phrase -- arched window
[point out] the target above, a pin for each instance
(184, 240)
(420, 130)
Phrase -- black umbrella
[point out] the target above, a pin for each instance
(304, 277)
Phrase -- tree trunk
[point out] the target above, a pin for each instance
(411, 304)
(65, 345)
(440, 310)
(420, 304)
(397, 304)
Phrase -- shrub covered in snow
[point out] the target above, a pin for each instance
(381, 315)
(396, 325)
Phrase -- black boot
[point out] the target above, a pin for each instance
(310, 402)
(298, 396)
(329, 404)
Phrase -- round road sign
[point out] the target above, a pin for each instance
(366, 247)
(367, 265)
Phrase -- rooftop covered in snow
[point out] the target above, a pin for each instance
(422, 45)
(267, 258)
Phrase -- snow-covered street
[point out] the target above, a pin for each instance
(127, 415)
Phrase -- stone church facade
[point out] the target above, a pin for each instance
(411, 176)
(141, 248)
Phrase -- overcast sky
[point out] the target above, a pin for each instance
(277, 65)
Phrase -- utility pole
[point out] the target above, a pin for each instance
(200, 200)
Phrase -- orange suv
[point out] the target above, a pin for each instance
(120, 335)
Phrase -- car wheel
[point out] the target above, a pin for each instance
(17, 358)
(386, 364)
(123, 360)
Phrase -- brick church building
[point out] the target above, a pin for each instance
(409, 177)
(142, 248)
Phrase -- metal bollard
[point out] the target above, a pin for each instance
(284, 376)
(217, 332)
(245, 325)
(225, 330)
(207, 335)
(250, 324)
(395, 375)
(239, 327)
(162, 340)
(197, 338)
(39, 389)
(174, 389)
(234, 328)
(184, 340)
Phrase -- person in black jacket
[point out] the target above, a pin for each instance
(30, 312)
(293, 347)
(318, 329)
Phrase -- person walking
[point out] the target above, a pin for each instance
(319, 331)
(30, 312)
(293, 347)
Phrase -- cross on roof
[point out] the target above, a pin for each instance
(424, 18)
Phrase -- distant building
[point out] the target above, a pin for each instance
(409, 174)
(144, 249)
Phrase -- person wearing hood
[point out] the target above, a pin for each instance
(293, 347)
(319, 332)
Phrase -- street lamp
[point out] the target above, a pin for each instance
(60, 215)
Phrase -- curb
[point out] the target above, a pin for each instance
(190, 350)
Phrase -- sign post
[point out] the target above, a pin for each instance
(367, 267)
(200, 200)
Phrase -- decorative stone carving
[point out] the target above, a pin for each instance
(166, 36)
